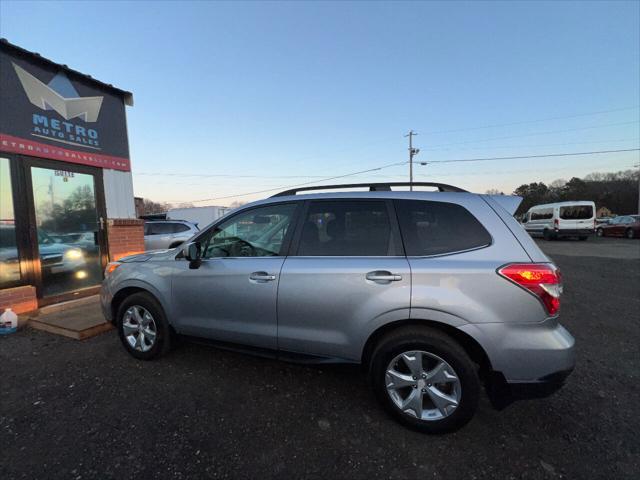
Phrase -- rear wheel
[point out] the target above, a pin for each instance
(600, 232)
(629, 233)
(143, 327)
(425, 380)
(547, 235)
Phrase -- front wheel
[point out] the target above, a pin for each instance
(143, 327)
(629, 233)
(600, 232)
(425, 380)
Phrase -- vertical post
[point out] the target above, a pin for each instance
(411, 160)
(412, 152)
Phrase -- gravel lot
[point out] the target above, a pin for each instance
(72, 409)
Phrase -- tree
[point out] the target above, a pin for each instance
(149, 206)
(616, 191)
(532, 194)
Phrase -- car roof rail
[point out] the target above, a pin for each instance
(373, 187)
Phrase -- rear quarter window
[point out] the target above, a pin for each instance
(576, 212)
(437, 228)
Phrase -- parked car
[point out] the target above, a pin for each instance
(562, 219)
(55, 257)
(603, 221)
(161, 234)
(86, 241)
(434, 293)
(624, 226)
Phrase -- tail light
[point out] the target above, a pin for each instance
(541, 279)
(556, 223)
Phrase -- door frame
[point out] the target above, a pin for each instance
(25, 209)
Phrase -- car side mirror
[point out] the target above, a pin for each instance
(192, 252)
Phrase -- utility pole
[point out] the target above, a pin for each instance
(412, 153)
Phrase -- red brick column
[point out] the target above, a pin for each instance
(19, 299)
(125, 236)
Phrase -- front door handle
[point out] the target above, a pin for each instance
(261, 277)
(383, 276)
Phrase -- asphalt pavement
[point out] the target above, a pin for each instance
(78, 410)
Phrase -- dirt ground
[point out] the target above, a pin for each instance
(78, 410)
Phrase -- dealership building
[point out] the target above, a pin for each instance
(66, 191)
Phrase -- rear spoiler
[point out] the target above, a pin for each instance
(509, 202)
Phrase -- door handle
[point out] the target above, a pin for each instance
(383, 276)
(262, 277)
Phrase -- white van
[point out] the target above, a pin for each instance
(562, 219)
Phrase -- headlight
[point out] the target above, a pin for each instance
(111, 266)
(73, 254)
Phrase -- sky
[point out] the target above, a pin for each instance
(234, 98)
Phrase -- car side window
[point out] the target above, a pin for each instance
(161, 228)
(437, 228)
(346, 228)
(259, 232)
(179, 227)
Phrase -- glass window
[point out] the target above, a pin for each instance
(576, 212)
(346, 228)
(436, 228)
(544, 214)
(180, 227)
(9, 263)
(67, 227)
(161, 228)
(259, 232)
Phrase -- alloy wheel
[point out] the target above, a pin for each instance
(423, 385)
(139, 328)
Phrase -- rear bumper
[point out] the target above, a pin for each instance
(528, 360)
(573, 232)
(503, 393)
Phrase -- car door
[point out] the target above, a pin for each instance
(231, 297)
(615, 228)
(346, 274)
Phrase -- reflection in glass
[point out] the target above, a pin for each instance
(67, 225)
(9, 264)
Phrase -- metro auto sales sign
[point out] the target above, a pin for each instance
(45, 113)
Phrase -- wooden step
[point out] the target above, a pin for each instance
(78, 319)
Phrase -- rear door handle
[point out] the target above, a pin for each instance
(262, 277)
(383, 276)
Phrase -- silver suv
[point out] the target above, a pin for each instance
(433, 293)
(167, 233)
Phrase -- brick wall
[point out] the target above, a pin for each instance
(19, 299)
(125, 236)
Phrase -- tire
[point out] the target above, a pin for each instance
(436, 344)
(546, 234)
(629, 233)
(144, 348)
(600, 232)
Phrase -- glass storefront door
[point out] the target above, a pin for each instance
(68, 228)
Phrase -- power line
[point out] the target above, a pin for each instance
(496, 125)
(298, 185)
(533, 156)
(378, 142)
(404, 163)
(550, 132)
(231, 175)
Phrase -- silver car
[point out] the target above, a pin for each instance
(161, 234)
(433, 293)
